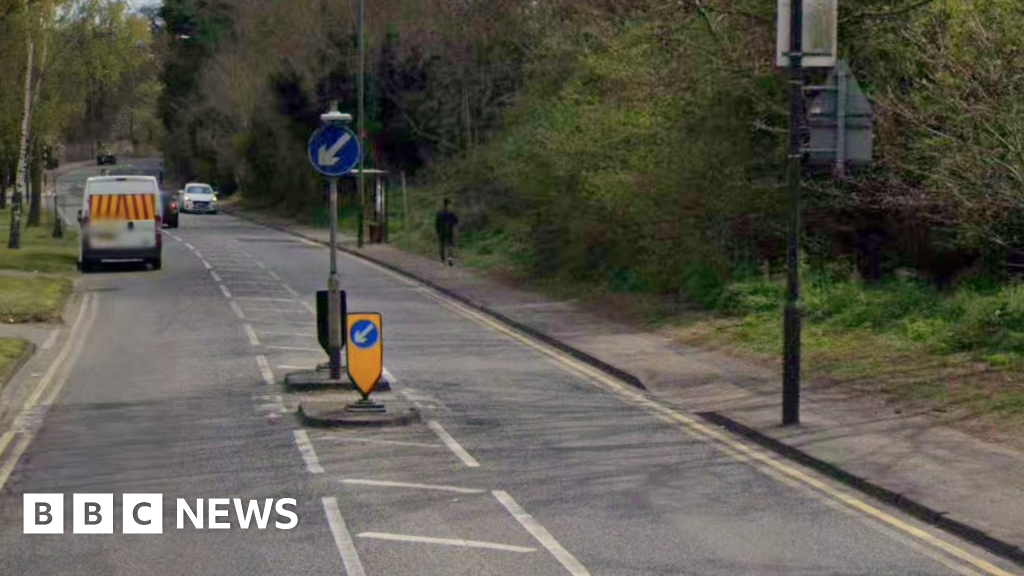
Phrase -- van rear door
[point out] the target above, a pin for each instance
(123, 215)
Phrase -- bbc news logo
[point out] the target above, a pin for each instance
(144, 513)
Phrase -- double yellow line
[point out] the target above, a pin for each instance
(50, 385)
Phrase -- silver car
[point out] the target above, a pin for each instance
(197, 197)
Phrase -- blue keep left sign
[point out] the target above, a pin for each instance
(364, 334)
(334, 150)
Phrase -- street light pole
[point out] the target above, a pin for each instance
(792, 314)
(362, 117)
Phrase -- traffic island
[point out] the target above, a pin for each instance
(313, 380)
(351, 411)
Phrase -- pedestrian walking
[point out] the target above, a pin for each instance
(445, 223)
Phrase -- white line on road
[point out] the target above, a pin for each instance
(199, 255)
(207, 264)
(308, 307)
(258, 263)
(343, 438)
(266, 298)
(265, 371)
(342, 538)
(541, 534)
(445, 541)
(291, 290)
(190, 247)
(238, 311)
(276, 333)
(216, 277)
(290, 367)
(389, 376)
(224, 289)
(389, 484)
(452, 444)
(281, 310)
(273, 275)
(51, 339)
(252, 335)
(308, 452)
(296, 348)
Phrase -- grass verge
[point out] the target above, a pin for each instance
(39, 251)
(32, 299)
(12, 350)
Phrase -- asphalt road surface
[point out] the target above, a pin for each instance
(527, 463)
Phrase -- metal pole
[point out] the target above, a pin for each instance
(362, 119)
(791, 316)
(333, 289)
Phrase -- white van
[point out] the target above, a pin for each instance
(120, 219)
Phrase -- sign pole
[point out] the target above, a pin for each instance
(333, 289)
(791, 317)
(362, 123)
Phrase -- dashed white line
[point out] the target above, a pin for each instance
(258, 263)
(290, 367)
(207, 264)
(308, 452)
(51, 339)
(216, 277)
(199, 255)
(253, 339)
(190, 247)
(445, 541)
(390, 484)
(452, 445)
(541, 534)
(342, 538)
(238, 311)
(266, 298)
(273, 275)
(224, 289)
(291, 290)
(265, 371)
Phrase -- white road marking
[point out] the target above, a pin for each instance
(389, 376)
(277, 333)
(308, 452)
(452, 444)
(216, 277)
(545, 538)
(445, 541)
(265, 371)
(291, 290)
(311, 243)
(254, 282)
(342, 438)
(273, 275)
(267, 298)
(258, 263)
(342, 538)
(224, 289)
(296, 348)
(309, 307)
(280, 310)
(389, 484)
(252, 335)
(199, 255)
(207, 264)
(288, 367)
(238, 311)
(51, 339)
(190, 247)
(231, 270)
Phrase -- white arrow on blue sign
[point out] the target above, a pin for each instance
(333, 150)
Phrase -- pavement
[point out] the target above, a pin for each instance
(526, 461)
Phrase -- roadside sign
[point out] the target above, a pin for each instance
(820, 33)
(333, 150)
(365, 350)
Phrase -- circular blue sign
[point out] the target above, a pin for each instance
(333, 150)
(364, 334)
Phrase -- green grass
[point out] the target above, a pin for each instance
(32, 299)
(11, 350)
(39, 252)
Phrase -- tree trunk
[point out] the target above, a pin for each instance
(3, 183)
(36, 178)
(14, 240)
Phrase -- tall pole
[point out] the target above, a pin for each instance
(333, 289)
(791, 316)
(362, 117)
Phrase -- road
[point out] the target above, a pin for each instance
(527, 462)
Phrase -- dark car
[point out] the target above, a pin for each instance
(106, 158)
(170, 209)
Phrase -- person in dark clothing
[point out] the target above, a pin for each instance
(444, 224)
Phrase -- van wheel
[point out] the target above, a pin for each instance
(156, 263)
